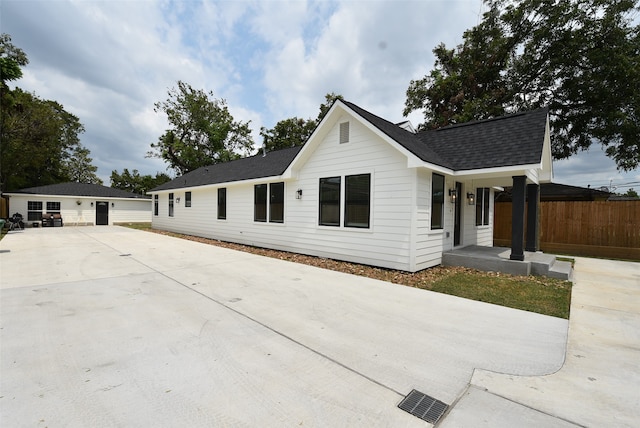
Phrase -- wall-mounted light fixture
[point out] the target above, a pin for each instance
(453, 195)
(91, 203)
(178, 200)
(113, 204)
(471, 198)
(299, 194)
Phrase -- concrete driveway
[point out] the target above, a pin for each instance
(107, 326)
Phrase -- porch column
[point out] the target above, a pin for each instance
(517, 217)
(533, 218)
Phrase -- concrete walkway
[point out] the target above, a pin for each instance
(599, 384)
(106, 326)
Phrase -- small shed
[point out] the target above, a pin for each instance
(79, 204)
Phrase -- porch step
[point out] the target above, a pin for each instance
(497, 259)
(560, 270)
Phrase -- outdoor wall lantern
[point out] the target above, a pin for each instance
(91, 203)
(178, 200)
(113, 204)
(453, 195)
(299, 194)
(471, 198)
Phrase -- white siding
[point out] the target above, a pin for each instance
(123, 210)
(399, 237)
(387, 243)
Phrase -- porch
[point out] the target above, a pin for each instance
(497, 259)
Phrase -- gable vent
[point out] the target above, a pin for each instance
(344, 132)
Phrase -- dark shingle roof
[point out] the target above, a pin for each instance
(515, 139)
(258, 166)
(511, 140)
(80, 189)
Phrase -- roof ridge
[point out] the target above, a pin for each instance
(491, 119)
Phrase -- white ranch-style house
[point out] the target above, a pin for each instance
(365, 190)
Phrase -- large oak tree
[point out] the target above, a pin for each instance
(581, 58)
(202, 131)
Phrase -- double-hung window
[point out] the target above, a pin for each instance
(187, 199)
(155, 204)
(170, 204)
(330, 201)
(437, 201)
(269, 202)
(222, 203)
(260, 202)
(482, 206)
(276, 202)
(357, 201)
(53, 207)
(34, 210)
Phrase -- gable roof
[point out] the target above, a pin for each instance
(512, 140)
(259, 166)
(79, 189)
(515, 139)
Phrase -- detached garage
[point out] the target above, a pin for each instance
(78, 204)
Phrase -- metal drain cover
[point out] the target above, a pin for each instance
(422, 406)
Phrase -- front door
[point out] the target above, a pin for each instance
(457, 215)
(102, 213)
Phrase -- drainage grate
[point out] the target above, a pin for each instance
(422, 406)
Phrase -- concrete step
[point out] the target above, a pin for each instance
(560, 270)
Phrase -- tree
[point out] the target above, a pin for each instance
(11, 59)
(329, 99)
(632, 193)
(287, 133)
(581, 58)
(136, 183)
(38, 138)
(79, 167)
(202, 131)
(295, 131)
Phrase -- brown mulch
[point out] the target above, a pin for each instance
(422, 279)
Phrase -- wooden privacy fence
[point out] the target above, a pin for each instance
(581, 228)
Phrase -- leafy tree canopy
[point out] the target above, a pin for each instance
(78, 166)
(295, 131)
(12, 59)
(136, 183)
(581, 58)
(39, 138)
(202, 131)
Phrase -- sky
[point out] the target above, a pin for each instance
(108, 62)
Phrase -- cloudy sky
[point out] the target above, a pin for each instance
(107, 62)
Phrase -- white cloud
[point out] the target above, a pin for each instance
(108, 62)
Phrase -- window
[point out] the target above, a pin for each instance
(482, 206)
(155, 204)
(170, 204)
(260, 202)
(357, 200)
(222, 203)
(53, 207)
(34, 210)
(330, 201)
(275, 208)
(344, 132)
(276, 202)
(437, 201)
(187, 199)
